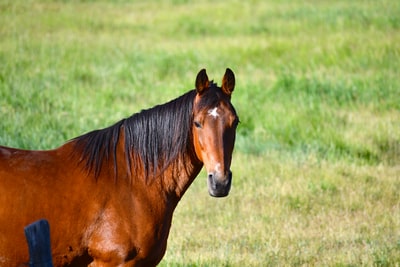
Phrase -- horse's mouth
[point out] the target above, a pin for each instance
(219, 187)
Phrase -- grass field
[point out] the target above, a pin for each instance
(317, 160)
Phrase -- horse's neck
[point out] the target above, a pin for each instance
(175, 179)
(178, 182)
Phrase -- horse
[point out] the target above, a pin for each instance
(109, 195)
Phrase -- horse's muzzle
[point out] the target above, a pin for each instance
(219, 186)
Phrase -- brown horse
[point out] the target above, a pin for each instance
(109, 195)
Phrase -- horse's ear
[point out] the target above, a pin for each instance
(228, 82)
(202, 82)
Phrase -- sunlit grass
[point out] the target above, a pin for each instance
(294, 212)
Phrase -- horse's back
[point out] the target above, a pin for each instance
(25, 174)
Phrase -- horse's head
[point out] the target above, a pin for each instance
(214, 129)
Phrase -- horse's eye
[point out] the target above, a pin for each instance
(197, 124)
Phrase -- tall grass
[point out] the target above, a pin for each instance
(316, 165)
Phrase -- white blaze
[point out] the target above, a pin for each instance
(213, 112)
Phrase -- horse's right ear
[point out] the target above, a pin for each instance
(228, 82)
(202, 81)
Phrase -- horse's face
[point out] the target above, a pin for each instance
(214, 128)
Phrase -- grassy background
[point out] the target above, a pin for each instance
(317, 160)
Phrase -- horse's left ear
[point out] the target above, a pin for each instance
(228, 82)
(202, 81)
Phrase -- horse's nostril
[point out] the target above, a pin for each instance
(210, 176)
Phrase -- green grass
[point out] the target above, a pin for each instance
(317, 160)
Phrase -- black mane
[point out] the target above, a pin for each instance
(155, 137)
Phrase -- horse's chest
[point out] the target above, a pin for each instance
(136, 234)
